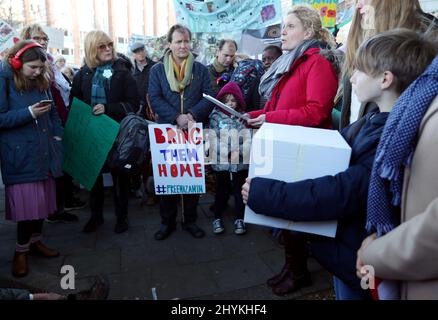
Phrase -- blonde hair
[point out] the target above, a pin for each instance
(92, 41)
(22, 83)
(68, 69)
(60, 58)
(311, 19)
(26, 33)
(241, 56)
(388, 14)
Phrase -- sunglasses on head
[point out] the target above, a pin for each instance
(104, 46)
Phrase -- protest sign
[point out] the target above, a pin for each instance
(87, 142)
(56, 37)
(177, 159)
(8, 37)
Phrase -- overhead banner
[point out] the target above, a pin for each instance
(227, 15)
(345, 12)
(177, 159)
(8, 37)
(326, 8)
(155, 46)
(204, 45)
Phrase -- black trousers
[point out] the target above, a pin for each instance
(225, 182)
(26, 229)
(64, 191)
(120, 195)
(169, 209)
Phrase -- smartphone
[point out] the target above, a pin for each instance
(46, 101)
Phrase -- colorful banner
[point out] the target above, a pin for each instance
(177, 159)
(155, 46)
(87, 142)
(204, 45)
(326, 8)
(227, 15)
(8, 37)
(345, 12)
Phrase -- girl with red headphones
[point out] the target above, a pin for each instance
(31, 149)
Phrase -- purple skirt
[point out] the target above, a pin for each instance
(30, 201)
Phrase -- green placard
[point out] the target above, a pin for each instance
(87, 142)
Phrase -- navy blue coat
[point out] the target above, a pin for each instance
(342, 197)
(28, 151)
(167, 103)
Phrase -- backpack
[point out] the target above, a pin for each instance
(128, 154)
(247, 72)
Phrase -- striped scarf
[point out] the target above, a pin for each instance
(178, 77)
(101, 80)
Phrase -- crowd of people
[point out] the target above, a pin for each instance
(385, 202)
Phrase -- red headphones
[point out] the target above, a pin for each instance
(15, 61)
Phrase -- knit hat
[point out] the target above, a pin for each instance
(234, 89)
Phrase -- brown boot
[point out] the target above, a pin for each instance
(39, 249)
(279, 277)
(292, 283)
(19, 265)
(295, 253)
(98, 291)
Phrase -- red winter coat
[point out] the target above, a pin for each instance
(305, 95)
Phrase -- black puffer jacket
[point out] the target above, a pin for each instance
(122, 90)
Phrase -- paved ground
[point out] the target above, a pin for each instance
(180, 267)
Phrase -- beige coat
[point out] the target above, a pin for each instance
(410, 252)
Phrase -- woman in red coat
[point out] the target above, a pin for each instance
(300, 88)
(301, 85)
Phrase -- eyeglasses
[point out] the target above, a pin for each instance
(37, 39)
(104, 46)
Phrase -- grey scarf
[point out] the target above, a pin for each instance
(281, 66)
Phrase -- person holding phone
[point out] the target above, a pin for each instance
(31, 149)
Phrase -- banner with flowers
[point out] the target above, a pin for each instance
(326, 8)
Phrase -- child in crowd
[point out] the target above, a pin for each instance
(31, 149)
(385, 66)
(231, 145)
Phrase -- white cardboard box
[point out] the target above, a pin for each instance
(293, 153)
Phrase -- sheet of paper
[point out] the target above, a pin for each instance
(225, 108)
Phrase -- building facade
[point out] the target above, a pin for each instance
(119, 18)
